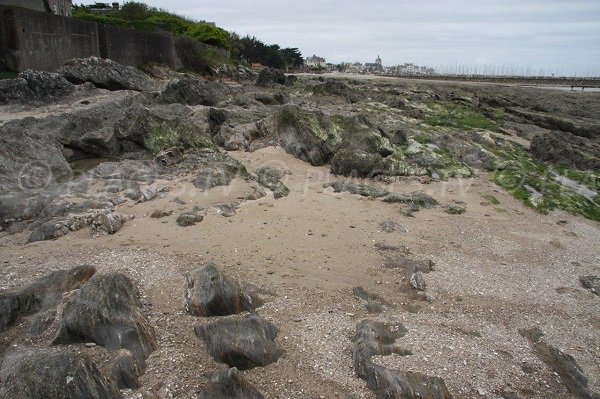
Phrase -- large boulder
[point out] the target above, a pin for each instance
(211, 293)
(43, 294)
(107, 311)
(106, 74)
(48, 373)
(194, 92)
(34, 86)
(272, 76)
(245, 342)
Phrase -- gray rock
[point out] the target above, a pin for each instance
(418, 281)
(357, 163)
(211, 293)
(229, 384)
(41, 295)
(270, 178)
(109, 222)
(271, 76)
(188, 219)
(591, 283)
(160, 213)
(244, 343)
(191, 91)
(563, 364)
(357, 188)
(377, 339)
(48, 373)
(34, 87)
(567, 149)
(373, 302)
(455, 209)
(106, 74)
(416, 198)
(107, 311)
(123, 370)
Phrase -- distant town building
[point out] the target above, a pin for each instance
(410, 69)
(374, 67)
(59, 7)
(315, 62)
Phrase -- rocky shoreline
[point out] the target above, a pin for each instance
(374, 238)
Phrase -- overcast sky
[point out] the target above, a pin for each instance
(562, 36)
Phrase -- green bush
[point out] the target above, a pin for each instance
(209, 34)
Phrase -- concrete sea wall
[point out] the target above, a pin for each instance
(36, 40)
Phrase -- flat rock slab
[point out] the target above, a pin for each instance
(374, 338)
(48, 373)
(106, 310)
(563, 364)
(211, 293)
(43, 294)
(244, 343)
(229, 384)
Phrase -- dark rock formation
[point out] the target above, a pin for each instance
(244, 343)
(563, 364)
(337, 88)
(215, 169)
(357, 188)
(373, 302)
(270, 178)
(271, 76)
(567, 149)
(407, 265)
(33, 87)
(376, 339)
(229, 384)
(107, 311)
(188, 219)
(43, 294)
(47, 373)
(357, 163)
(192, 91)
(211, 293)
(106, 74)
(123, 370)
(417, 198)
(591, 283)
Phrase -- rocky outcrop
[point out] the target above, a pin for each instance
(211, 293)
(106, 74)
(229, 384)
(192, 91)
(41, 295)
(34, 87)
(271, 76)
(107, 311)
(270, 178)
(357, 163)
(567, 149)
(245, 342)
(377, 339)
(48, 373)
(215, 169)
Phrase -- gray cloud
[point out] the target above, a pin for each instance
(562, 36)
